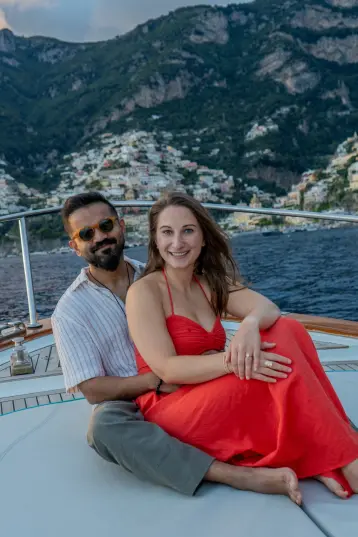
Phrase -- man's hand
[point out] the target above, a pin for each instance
(169, 388)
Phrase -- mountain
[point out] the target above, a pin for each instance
(263, 90)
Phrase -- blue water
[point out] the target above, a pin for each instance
(311, 272)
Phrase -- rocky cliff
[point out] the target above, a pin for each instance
(214, 77)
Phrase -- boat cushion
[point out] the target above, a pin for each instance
(337, 518)
(346, 386)
(52, 483)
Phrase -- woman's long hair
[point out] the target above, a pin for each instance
(215, 261)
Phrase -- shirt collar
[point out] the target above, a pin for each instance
(82, 278)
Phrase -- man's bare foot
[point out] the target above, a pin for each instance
(350, 472)
(265, 480)
(333, 486)
(275, 481)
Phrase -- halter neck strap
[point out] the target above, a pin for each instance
(170, 293)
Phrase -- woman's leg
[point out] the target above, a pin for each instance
(350, 472)
(333, 481)
(310, 353)
(297, 423)
(336, 481)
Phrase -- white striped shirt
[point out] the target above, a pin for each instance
(91, 332)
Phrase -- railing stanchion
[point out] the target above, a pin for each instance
(28, 275)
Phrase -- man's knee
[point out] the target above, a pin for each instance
(110, 424)
(98, 434)
(95, 429)
(119, 434)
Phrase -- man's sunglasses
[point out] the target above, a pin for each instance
(87, 233)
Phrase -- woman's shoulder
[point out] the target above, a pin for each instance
(204, 282)
(146, 284)
(143, 294)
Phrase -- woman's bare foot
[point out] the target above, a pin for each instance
(350, 472)
(333, 486)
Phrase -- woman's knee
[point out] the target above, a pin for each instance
(287, 324)
(289, 336)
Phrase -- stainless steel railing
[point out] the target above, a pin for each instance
(28, 274)
(21, 218)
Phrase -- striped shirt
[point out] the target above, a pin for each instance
(91, 332)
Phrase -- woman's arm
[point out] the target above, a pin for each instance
(257, 313)
(147, 325)
(252, 307)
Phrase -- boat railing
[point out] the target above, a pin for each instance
(21, 217)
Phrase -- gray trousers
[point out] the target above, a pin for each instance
(119, 433)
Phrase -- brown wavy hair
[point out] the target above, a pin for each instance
(215, 261)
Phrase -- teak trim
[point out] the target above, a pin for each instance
(329, 325)
(338, 327)
(45, 330)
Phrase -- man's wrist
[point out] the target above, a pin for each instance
(153, 381)
(157, 390)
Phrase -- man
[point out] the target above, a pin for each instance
(97, 358)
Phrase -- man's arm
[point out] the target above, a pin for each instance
(99, 389)
(83, 369)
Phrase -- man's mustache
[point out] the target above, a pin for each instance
(103, 243)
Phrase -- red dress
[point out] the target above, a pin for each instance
(297, 422)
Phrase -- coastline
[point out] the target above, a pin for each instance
(15, 251)
(310, 273)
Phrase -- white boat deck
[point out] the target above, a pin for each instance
(338, 354)
(52, 483)
(55, 484)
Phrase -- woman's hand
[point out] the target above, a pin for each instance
(271, 366)
(245, 349)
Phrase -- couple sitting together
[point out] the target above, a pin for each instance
(146, 345)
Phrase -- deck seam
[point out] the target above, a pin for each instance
(315, 522)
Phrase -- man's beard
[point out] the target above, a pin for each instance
(106, 258)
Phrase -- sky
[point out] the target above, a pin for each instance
(85, 20)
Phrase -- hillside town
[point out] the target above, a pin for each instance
(136, 165)
(316, 185)
(130, 166)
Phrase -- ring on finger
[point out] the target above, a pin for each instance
(268, 363)
(248, 356)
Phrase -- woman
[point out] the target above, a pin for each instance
(293, 420)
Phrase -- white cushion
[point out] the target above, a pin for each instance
(53, 484)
